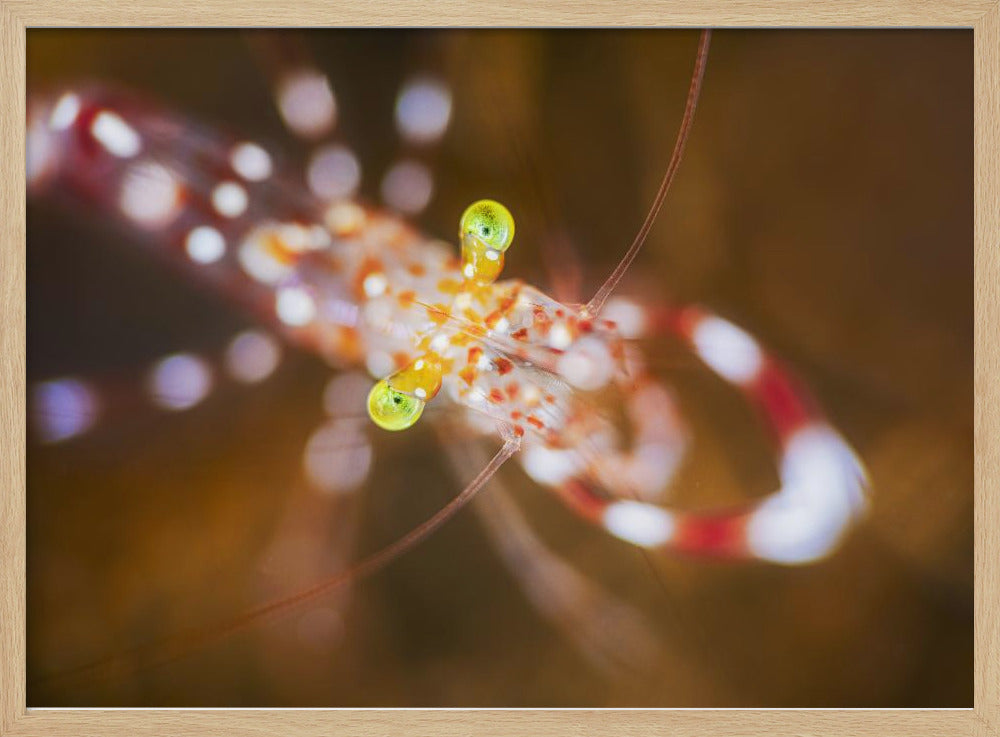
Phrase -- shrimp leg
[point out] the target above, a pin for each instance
(823, 484)
(612, 635)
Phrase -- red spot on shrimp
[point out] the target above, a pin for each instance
(496, 396)
(407, 298)
(550, 399)
(719, 534)
(513, 389)
(417, 270)
(474, 353)
(521, 334)
(535, 422)
(504, 366)
(516, 415)
(401, 359)
(449, 286)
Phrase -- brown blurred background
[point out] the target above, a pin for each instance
(825, 204)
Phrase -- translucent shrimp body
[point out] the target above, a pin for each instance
(362, 287)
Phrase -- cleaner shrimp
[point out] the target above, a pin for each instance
(562, 384)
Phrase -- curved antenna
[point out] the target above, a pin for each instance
(596, 304)
(169, 649)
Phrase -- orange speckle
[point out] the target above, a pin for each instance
(516, 415)
(416, 269)
(550, 399)
(407, 298)
(452, 263)
(347, 344)
(496, 396)
(401, 359)
(467, 374)
(474, 353)
(519, 431)
(438, 313)
(560, 313)
(534, 421)
(504, 366)
(471, 315)
(449, 286)
(513, 389)
(521, 334)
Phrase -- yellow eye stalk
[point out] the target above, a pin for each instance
(396, 403)
(486, 231)
(391, 409)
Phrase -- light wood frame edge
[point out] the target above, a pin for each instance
(983, 16)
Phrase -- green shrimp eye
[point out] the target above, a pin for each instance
(391, 409)
(490, 222)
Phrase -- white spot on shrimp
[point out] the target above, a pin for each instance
(822, 491)
(295, 306)
(306, 103)
(375, 284)
(550, 466)
(205, 244)
(379, 363)
(346, 394)
(344, 218)
(65, 111)
(629, 318)
(338, 456)
(423, 110)
(252, 356)
(560, 336)
(408, 187)
(334, 173)
(587, 364)
(259, 261)
(117, 136)
(150, 195)
(728, 350)
(229, 199)
(63, 408)
(251, 161)
(640, 524)
(40, 151)
(179, 381)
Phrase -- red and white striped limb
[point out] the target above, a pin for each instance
(823, 483)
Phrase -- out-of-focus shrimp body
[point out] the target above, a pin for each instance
(354, 284)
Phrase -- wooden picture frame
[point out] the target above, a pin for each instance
(983, 16)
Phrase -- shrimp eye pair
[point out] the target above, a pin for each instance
(391, 409)
(490, 222)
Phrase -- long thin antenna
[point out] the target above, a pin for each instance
(595, 305)
(164, 651)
